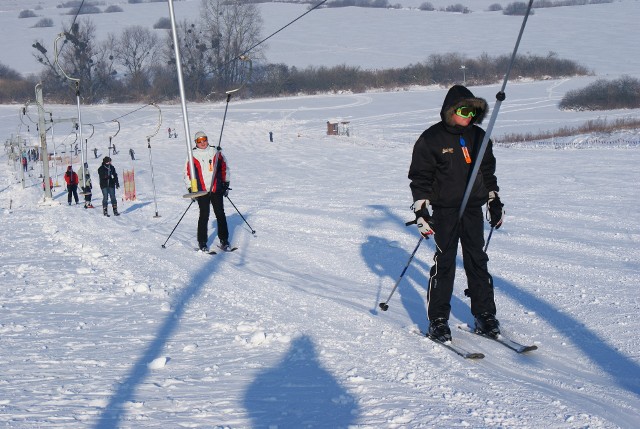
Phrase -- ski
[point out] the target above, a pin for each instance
(206, 252)
(460, 351)
(502, 339)
(230, 249)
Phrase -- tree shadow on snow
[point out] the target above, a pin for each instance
(125, 390)
(625, 371)
(299, 393)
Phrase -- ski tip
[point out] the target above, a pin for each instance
(527, 349)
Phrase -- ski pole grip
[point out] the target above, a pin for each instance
(411, 222)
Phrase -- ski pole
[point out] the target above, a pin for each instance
(488, 239)
(500, 97)
(174, 228)
(245, 221)
(384, 305)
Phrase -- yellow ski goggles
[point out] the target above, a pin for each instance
(466, 112)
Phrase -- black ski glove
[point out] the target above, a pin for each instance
(495, 210)
(225, 186)
(423, 218)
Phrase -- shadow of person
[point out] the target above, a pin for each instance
(115, 410)
(298, 393)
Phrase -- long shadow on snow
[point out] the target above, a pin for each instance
(126, 389)
(299, 393)
(625, 371)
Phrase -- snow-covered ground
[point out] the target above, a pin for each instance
(102, 327)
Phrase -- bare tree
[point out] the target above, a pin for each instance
(195, 60)
(76, 56)
(105, 70)
(230, 28)
(136, 52)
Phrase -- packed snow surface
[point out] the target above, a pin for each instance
(103, 327)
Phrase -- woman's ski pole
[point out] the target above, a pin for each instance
(253, 231)
(174, 228)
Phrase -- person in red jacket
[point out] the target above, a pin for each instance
(71, 177)
(212, 175)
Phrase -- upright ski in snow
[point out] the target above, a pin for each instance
(502, 339)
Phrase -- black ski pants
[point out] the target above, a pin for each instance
(72, 190)
(469, 231)
(87, 194)
(204, 203)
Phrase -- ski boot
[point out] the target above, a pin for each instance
(115, 210)
(105, 211)
(224, 245)
(439, 330)
(487, 324)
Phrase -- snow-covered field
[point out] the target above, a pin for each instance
(101, 327)
(601, 37)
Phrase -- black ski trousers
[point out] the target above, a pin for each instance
(469, 231)
(205, 202)
(72, 190)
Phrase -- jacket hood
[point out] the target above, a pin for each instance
(459, 96)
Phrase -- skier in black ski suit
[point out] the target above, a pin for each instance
(442, 160)
(108, 184)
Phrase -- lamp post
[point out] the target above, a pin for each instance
(464, 75)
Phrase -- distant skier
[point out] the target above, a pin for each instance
(440, 166)
(71, 178)
(133, 154)
(95, 152)
(209, 164)
(169, 131)
(108, 184)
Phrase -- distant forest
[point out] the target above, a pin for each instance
(273, 80)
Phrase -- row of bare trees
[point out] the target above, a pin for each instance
(139, 63)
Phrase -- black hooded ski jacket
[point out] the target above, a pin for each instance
(439, 171)
(108, 176)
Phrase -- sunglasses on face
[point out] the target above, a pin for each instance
(201, 140)
(466, 112)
